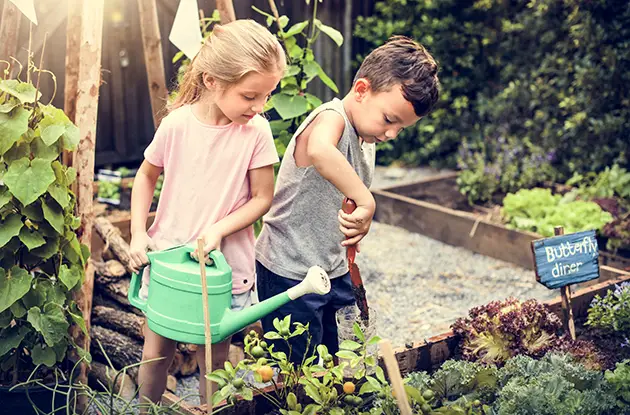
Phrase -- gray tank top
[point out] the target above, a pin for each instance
(301, 228)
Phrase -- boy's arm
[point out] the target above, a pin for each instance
(261, 188)
(333, 166)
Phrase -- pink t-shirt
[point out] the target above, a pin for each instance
(205, 179)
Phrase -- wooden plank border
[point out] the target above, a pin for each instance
(464, 229)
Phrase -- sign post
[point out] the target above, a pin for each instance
(563, 260)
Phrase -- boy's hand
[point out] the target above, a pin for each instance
(140, 244)
(212, 241)
(355, 225)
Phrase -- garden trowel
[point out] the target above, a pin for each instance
(358, 290)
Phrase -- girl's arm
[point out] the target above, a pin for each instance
(141, 198)
(261, 188)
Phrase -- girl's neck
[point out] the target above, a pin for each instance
(209, 113)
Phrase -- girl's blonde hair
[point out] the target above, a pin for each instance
(230, 52)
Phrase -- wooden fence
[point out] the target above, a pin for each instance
(125, 123)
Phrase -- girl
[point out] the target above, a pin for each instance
(217, 155)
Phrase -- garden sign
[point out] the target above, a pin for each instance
(563, 260)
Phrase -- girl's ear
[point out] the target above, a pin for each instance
(208, 81)
(360, 89)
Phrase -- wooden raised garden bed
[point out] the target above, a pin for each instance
(435, 208)
(428, 354)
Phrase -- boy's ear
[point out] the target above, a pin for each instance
(360, 89)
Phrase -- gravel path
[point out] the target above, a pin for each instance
(420, 286)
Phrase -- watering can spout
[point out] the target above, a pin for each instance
(316, 282)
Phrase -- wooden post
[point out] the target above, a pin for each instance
(565, 294)
(394, 376)
(226, 11)
(206, 323)
(9, 31)
(71, 85)
(152, 42)
(89, 82)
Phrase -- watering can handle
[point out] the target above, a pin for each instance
(218, 260)
(134, 290)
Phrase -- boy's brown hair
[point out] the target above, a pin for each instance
(403, 61)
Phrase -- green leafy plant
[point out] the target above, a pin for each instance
(538, 210)
(612, 313)
(108, 190)
(619, 380)
(556, 384)
(324, 384)
(612, 182)
(292, 102)
(42, 259)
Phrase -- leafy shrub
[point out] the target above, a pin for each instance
(41, 257)
(499, 330)
(619, 380)
(537, 210)
(551, 386)
(553, 74)
(612, 313)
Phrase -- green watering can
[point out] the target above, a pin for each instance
(174, 308)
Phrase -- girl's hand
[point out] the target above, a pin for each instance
(140, 243)
(356, 224)
(212, 240)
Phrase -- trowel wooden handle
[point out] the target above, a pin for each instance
(348, 206)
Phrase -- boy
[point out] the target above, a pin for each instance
(332, 155)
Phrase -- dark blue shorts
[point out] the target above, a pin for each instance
(318, 310)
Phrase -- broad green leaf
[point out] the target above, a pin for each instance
(295, 52)
(23, 91)
(368, 388)
(327, 81)
(50, 248)
(33, 211)
(374, 340)
(345, 354)
(9, 228)
(358, 332)
(54, 215)
(8, 106)
(28, 180)
(52, 324)
(313, 100)
(11, 338)
(332, 33)
(292, 70)
(278, 126)
(71, 137)
(42, 151)
(77, 317)
(72, 249)
(53, 125)
(289, 106)
(247, 394)
(55, 293)
(5, 318)
(14, 284)
(349, 345)
(43, 356)
(5, 196)
(60, 194)
(12, 126)
(380, 375)
(295, 29)
(283, 21)
(311, 69)
(19, 150)
(71, 175)
(272, 335)
(18, 309)
(70, 276)
(85, 253)
(313, 392)
(60, 349)
(31, 238)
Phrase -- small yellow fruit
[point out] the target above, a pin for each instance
(266, 373)
(348, 388)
